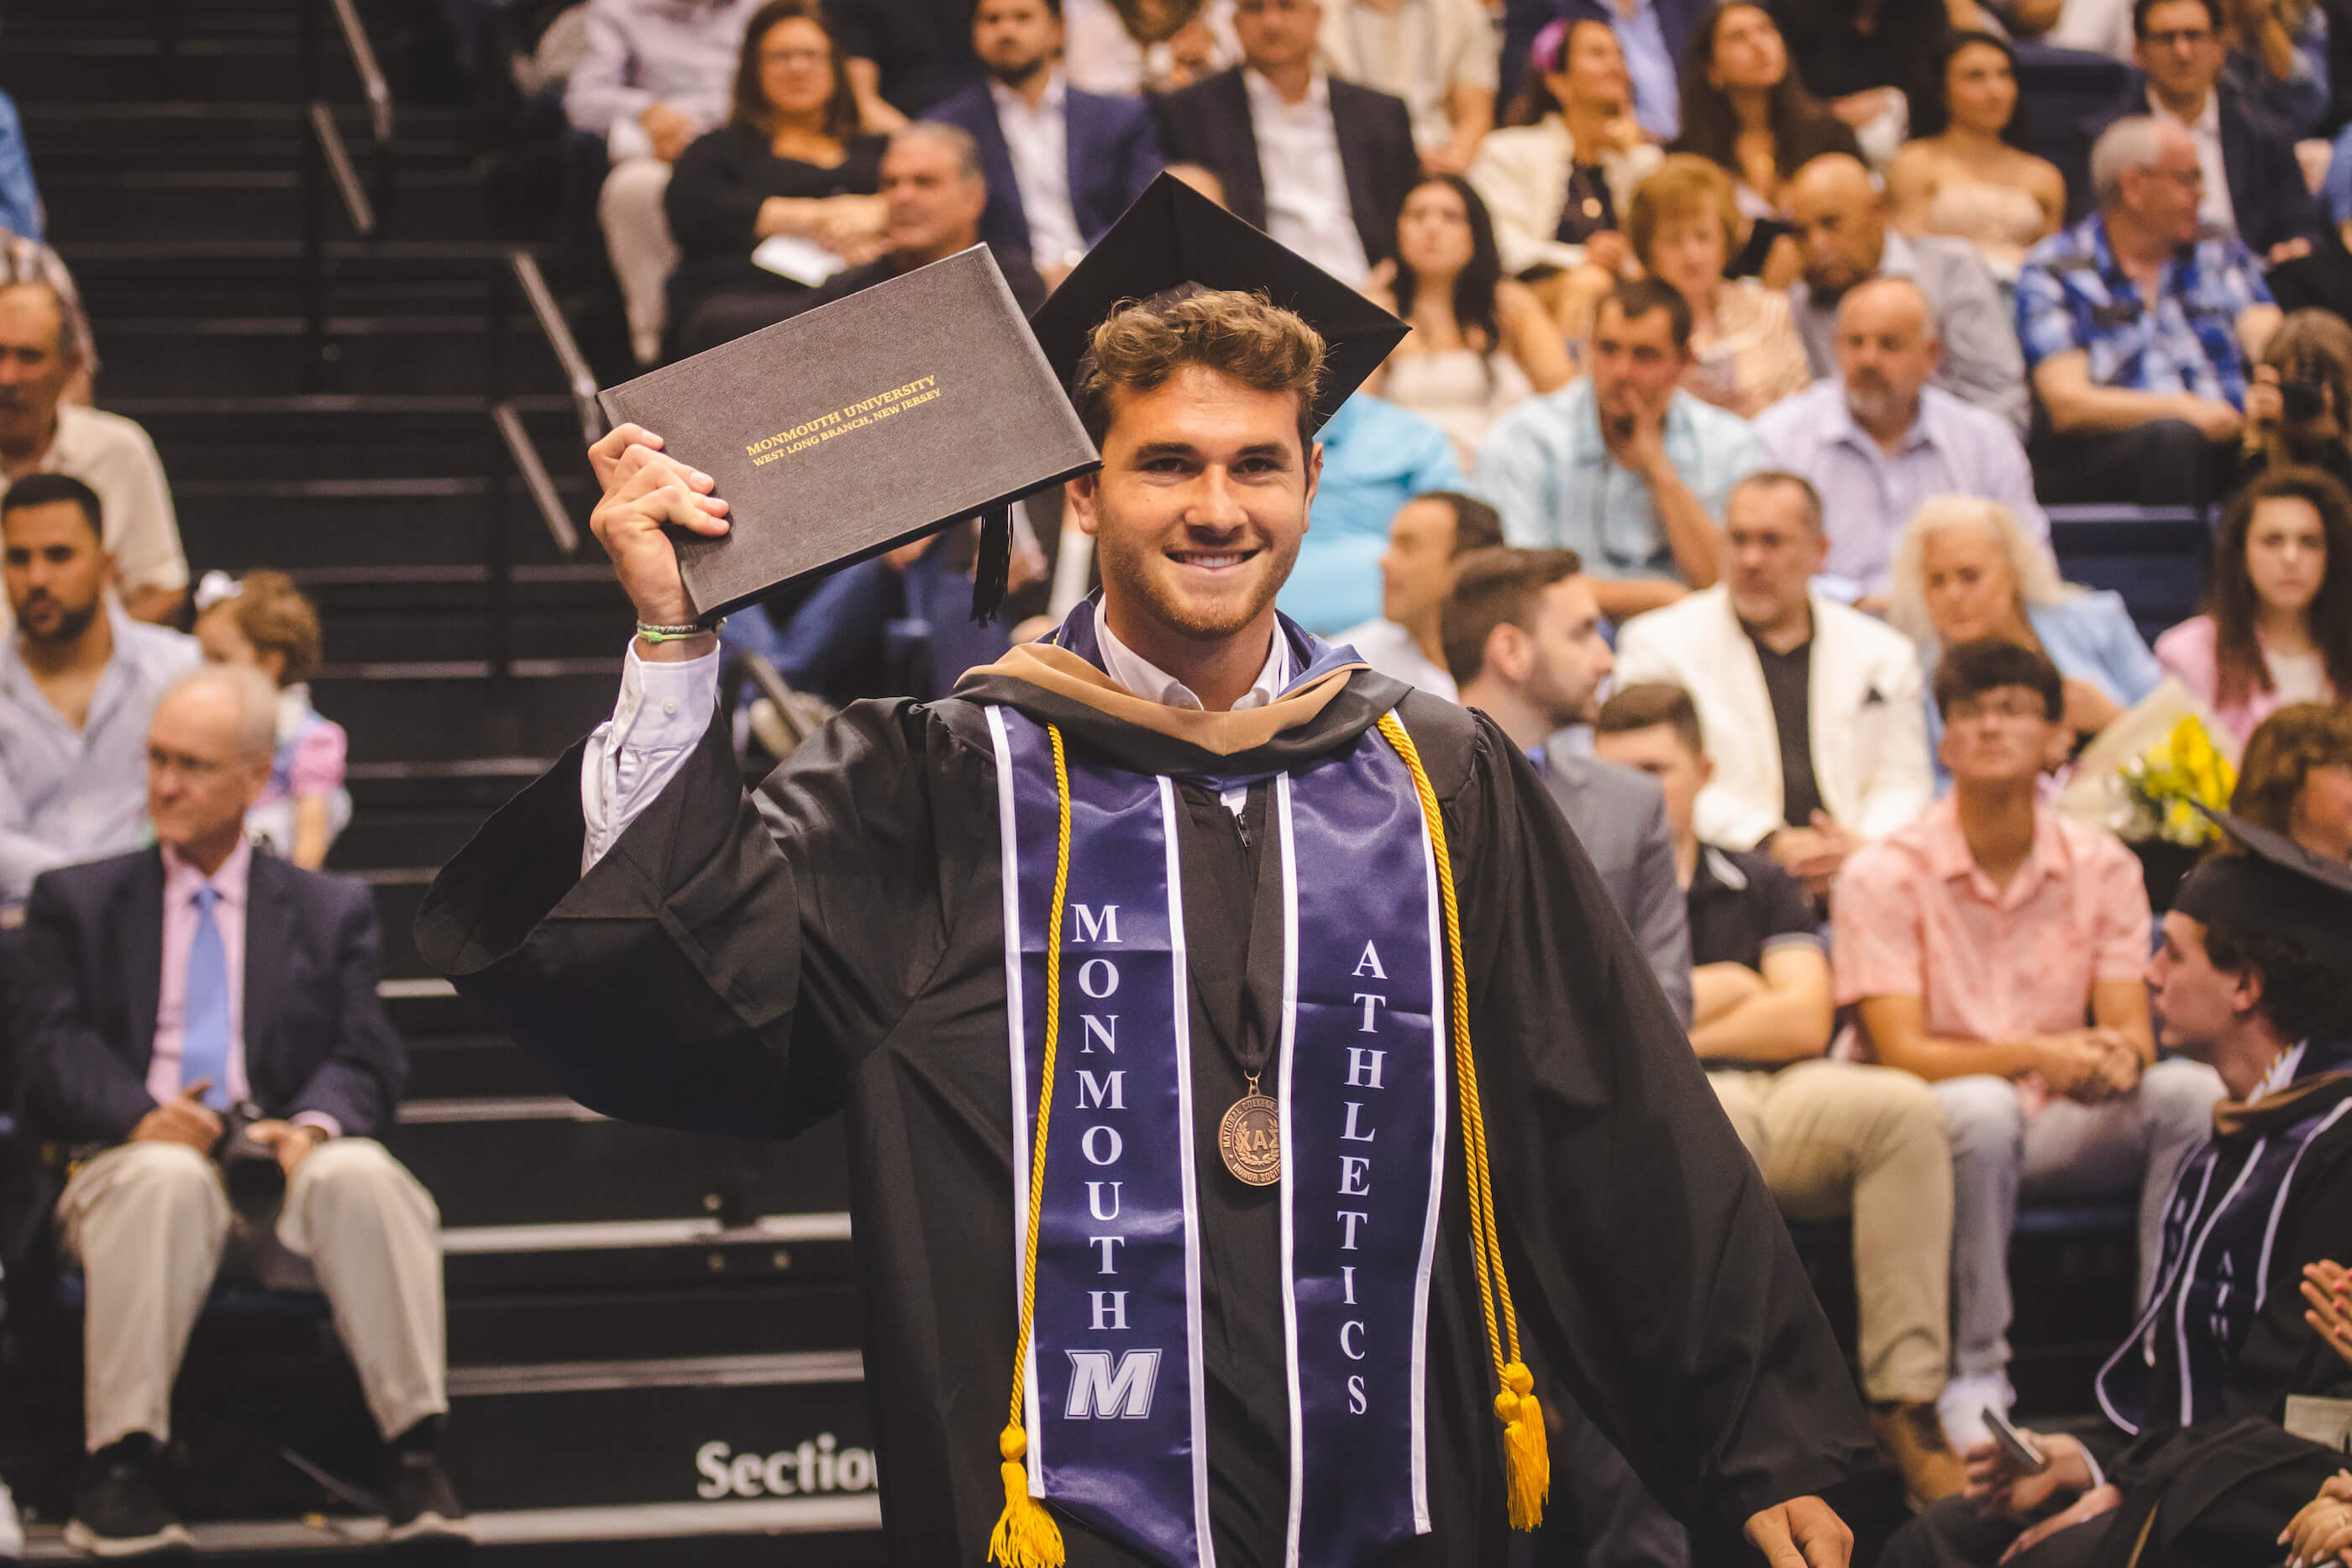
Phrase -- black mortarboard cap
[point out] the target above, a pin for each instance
(1173, 236)
(2273, 886)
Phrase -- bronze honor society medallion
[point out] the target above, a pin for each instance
(1250, 1138)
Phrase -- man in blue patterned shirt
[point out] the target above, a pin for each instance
(2138, 329)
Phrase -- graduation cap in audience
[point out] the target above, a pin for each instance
(2272, 885)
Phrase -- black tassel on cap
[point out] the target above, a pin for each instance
(992, 571)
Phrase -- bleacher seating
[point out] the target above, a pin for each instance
(621, 1299)
(2154, 555)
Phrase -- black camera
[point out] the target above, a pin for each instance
(2300, 401)
(249, 1167)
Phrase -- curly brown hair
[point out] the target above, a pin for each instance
(2280, 754)
(274, 617)
(1248, 337)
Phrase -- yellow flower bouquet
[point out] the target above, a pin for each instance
(2165, 785)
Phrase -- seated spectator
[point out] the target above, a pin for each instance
(40, 433)
(1319, 163)
(2253, 186)
(2299, 403)
(1061, 162)
(1430, 534)
(654, 76)
(1481, 342)
(77, 680)
(25, 260)
(1880, 440)
(1819, 742)
(2095, 26)
(1562, 168)
(1831, 1138)
(2277, 624)
(1969, 171)
(1967, 569)
(2138, 333)
(1523, 641)
(20, 198)
(934, 194)
(903, 56)
(2278, 61)
(1438, 56)
(299, 1041)
(2295, 777)
(1974, 944)
(1124, 48)
(261, 620)
(2251, 979)
(789, 162)
(1745, 111)
(1683, 225)
(1622, 465)
(1655, 37)
(1376, 457)
(1867, 59)
(1842, 223)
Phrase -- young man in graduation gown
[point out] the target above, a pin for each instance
(1245, 1336)
(2196, 1468)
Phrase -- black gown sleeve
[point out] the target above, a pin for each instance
(1652, 1271)
(715, 192)
(724, 966)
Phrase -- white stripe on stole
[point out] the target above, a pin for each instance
(2188, 1273)
(2144, 1332)
(2278, 1207)
(1289, 1167)
(1182, 1003)
(1014, 1015)
(1441, 999)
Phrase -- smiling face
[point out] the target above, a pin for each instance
(1593, 74)
(2286, 553)
(1201, 503)
(797, 68)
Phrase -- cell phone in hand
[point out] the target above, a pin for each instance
(2023, 1452)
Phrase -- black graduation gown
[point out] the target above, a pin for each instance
(751, 964)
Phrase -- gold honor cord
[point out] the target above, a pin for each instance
(1025, 1534)
(1527, 1466)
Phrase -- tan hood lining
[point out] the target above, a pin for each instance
(1059, 671)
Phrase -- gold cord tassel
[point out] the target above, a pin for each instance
(1025, 1535)
(1526, 1462)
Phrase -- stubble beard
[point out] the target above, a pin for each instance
(1130, 574)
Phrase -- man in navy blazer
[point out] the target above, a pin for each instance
(2181, 46)
(163, 992)
(1321, 164)
(1060, 164)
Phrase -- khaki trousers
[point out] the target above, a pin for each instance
(637, 237)
(151, 1223)
(1837, 1137)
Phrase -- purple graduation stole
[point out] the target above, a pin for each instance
(1117, 1429)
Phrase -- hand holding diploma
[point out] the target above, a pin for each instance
(644, 489)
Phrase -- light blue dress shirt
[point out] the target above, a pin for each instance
(1546, 468)
(1652, 69)
(1953, 449)
(1376, 457)
(69, 795)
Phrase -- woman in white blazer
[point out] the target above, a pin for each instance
(1574, 106)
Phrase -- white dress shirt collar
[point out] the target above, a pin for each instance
(1010, 100)
(1266, 99)
(1147, 680)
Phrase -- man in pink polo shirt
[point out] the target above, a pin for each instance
(1996, 950)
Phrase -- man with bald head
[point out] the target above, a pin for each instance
(40, 433)
(166, 993)
(2139, 325)
(1881, 438)
(1841, 220)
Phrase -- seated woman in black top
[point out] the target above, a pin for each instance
(1744, 108)
(789, 161)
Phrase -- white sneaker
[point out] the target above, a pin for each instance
(1962, 1407)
